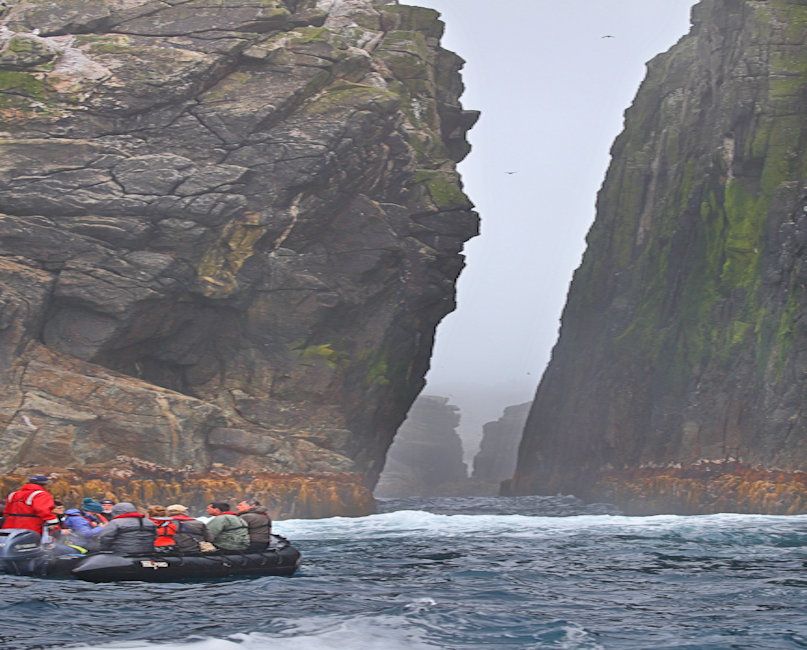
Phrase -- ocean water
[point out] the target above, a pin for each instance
(529, 572)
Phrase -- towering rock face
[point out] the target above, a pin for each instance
(496, 460)
(228, 231)
(677, 383)
(426, 457)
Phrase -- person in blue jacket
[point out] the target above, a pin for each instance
(84, 526)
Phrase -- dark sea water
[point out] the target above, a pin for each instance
(529, 572)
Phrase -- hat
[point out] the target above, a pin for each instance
(176, 509)
(107, 501)
(122, 508)
(39, 479)
(92, 506)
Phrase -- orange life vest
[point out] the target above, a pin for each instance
(166, 529)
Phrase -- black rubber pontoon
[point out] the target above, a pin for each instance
(21, 554)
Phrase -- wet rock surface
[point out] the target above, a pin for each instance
(682, 340)
(227, 230)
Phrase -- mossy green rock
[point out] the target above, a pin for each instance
(52, 18)
(228, 231)
(23, 51)
(683, 339)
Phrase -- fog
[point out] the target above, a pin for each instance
(552, 79)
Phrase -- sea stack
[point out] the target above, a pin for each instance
(228, 231)
(426, 457)
(678, 381)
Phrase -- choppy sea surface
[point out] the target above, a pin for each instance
(526, 572)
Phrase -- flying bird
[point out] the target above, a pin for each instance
(511, 172)
(607, 36)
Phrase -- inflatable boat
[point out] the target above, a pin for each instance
(21, 553)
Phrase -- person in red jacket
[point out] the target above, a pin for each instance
(30, 507)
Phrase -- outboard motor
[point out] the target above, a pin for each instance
(21, 552)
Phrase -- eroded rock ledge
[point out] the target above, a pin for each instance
(228, 231)
(706, 488)
(143, 482)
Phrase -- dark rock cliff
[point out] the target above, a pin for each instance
(496, 459)
(228, 231)
(678, 380)
(426, 457)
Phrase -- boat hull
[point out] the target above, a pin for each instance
(20, 554)
(160, 567)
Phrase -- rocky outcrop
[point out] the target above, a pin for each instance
(683, 343)
(496, 459)
(228, 231)
(426, 457)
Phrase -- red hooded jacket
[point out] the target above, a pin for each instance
(29, 507)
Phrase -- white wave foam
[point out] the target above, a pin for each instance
(406, 523)
(578, 638)
(378, 633)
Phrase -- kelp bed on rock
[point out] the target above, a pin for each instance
(706, 488)
(286, 496)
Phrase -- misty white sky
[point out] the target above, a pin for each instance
(552, 92)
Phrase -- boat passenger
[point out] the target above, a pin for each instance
(93, 511)
(166, 527)
(30, 507)
(107, 505)
(156, 514)
(83, 525)
(59, 512)
(59, 530)
(58, 537)
(190, 535)
(128, 532)
(228, 531)
(258, 521)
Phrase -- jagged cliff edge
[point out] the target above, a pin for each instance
(227, 234)
(677, 383)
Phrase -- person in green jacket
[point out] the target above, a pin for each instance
(228, 531)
